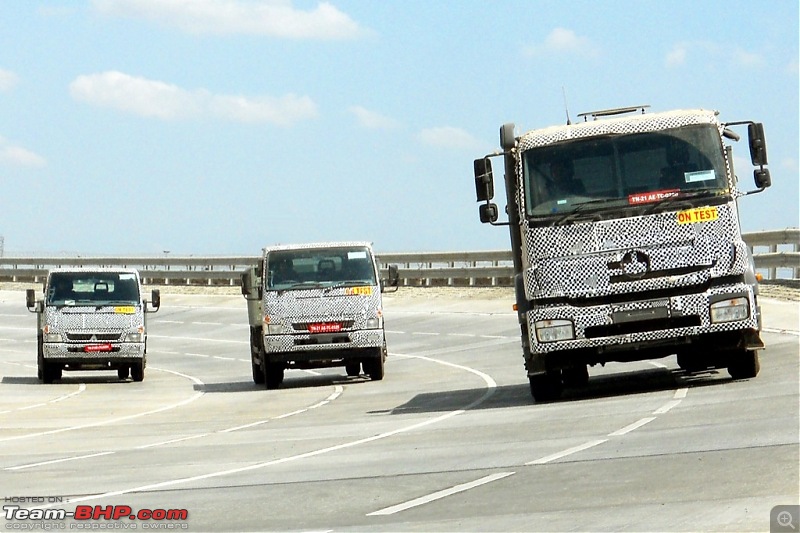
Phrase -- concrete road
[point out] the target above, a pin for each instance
(450, 440)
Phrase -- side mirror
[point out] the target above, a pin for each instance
(484, 180)
(488, 213)
(156, 299)
(30, 298)
(393, 280)
(245, 287)
(761, 177)
(507, 138)
(758, 144)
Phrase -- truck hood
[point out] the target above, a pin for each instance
(321, 305)
(68, 318)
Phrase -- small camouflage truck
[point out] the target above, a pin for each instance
(92, 319)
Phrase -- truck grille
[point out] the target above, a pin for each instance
(86, 337)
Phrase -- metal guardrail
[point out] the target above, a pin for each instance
(479, 268)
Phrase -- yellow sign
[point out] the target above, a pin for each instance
(698, 214)
(125, 310)
(364, 291)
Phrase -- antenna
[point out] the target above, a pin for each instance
(566, 109)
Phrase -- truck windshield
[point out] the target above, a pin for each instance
(319, 268)
(92, 288)
(614, 171)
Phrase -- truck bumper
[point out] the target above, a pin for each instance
(123, 352)
(616, 331)
(309, 347)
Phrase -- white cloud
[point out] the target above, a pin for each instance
(448, 137)
(710, 51)
(7, 80)
(18, 156)
(676, 56)
(372, 120)
(563, 41)
(156, 99)
(277, 18)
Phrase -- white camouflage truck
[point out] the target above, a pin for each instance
(316, 305)
(92, 319)
(626, 243)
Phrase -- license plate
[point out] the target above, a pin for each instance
(325, 327)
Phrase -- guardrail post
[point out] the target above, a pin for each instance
(772, 273)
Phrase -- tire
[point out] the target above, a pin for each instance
(692, 361)
(546, 387)
(40, 358)
(258, 374)
(51, 372)
(137, 371)
(577, 376)
(373, 366)
(353, 368)
(273, 374)
(123, 372)
(744, 364)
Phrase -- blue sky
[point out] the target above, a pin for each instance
(214, 127)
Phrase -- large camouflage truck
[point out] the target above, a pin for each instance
(316, 305)
(626, 243)
(92, 319)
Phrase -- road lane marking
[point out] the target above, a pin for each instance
(631, 427)
(666, 407)
(782, 331)
(440, 494)
(64, 460)
(119, 419)
(568, 451)
(491, 387)
(171, 441)
(681, 393)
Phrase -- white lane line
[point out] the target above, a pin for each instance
(207, 323)
(81, 388)
(170, 321)
(432, 333)
(490, 390)
(64, 460)
(657, 365)
(782, 331)
(196, 339)
(631, 427)
(568, 451)
(224, 358)
(666, 407)
(171, 441)
(681, 393)
(119, 419)
(337, 391)
(440, 494)
(196, 354)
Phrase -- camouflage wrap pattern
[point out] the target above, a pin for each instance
(81, 326)
(292, 310)
(595, 263)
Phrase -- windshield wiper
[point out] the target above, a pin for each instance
(580, 209)
(681, 196)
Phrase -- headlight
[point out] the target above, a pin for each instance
(554, 330)
(730, 310)
(136, 336)
(374, 323)
(52, 337)
(276, 329)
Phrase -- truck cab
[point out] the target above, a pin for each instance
(316, 305)
(627, 245)
(92, 319)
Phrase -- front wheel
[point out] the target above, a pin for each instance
(546, 387)
(353, 369)
(744, 364)
(273, 374)
(123, 372)
(137, 371)
(373, 366)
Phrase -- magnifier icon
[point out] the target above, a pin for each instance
(785, 520)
